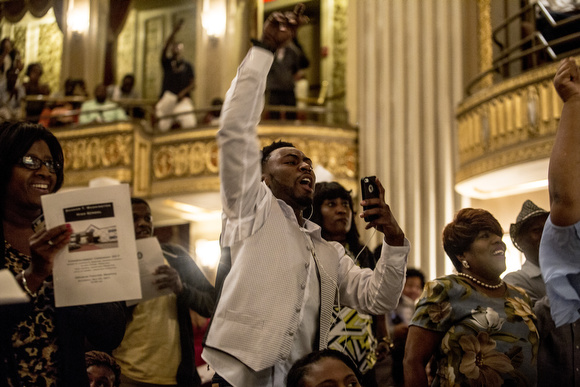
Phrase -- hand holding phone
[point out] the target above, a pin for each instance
(369, 190)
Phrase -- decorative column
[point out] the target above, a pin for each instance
(404, 81)
(485, 42)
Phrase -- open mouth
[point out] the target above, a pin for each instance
(40, 187)
(307, 182)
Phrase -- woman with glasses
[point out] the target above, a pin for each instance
(351, 332)
(39, 343)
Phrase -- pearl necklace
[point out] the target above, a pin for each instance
(482, 283)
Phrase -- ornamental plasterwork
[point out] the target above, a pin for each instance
(187, 161)
(89, 153)
(497, 160)
(544, 73)
(507, 129)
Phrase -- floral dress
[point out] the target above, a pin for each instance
(488, 341)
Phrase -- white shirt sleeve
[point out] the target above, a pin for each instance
(245, 200)
(374, 291)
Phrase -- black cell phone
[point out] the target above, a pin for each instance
(369, 189)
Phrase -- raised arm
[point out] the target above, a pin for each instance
(170, 39)
(240, 170)
(564, 170)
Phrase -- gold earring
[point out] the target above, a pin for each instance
(465, 264)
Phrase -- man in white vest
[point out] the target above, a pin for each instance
(276, 302)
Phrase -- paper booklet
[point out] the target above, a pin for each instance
(100, 263)
(10, 291)
(150, 258)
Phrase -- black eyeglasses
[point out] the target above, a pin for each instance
(34, 163)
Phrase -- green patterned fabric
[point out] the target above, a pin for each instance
(487, 341)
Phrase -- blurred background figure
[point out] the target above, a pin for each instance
(389, 369)
(5, 59)
(178, 83)
(65, 111)
(478, 329)
(102, 370)
(351, 332)
(12, 94)
(158, 347)
(288, 66)
(34, 87)
(526, 234)
(125, 91)
(213, 116)
(100, 109)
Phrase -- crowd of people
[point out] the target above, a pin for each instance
(299, 300)
(23, 96)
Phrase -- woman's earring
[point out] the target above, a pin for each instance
(465, 264)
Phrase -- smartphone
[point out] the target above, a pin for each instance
(369, 189)
(38, 224)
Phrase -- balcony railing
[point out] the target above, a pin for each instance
(531, 36)
(186, 161)
(67, 111)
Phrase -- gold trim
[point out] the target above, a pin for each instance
(541, 74)
(82, 178)
(187, 161)
(94, 130)
(497, 160)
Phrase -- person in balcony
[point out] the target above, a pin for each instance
(12, 95)
(288, 67)
(178, 83)
(5, 59)
(277, 299)
(34, 87)
(62, 111)
(126, 91)
(100, 109)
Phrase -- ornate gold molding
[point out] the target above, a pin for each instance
(186, 161)
(507, 124)
(485, 43)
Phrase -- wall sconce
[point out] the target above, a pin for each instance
(78, 18)
(213, 18)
